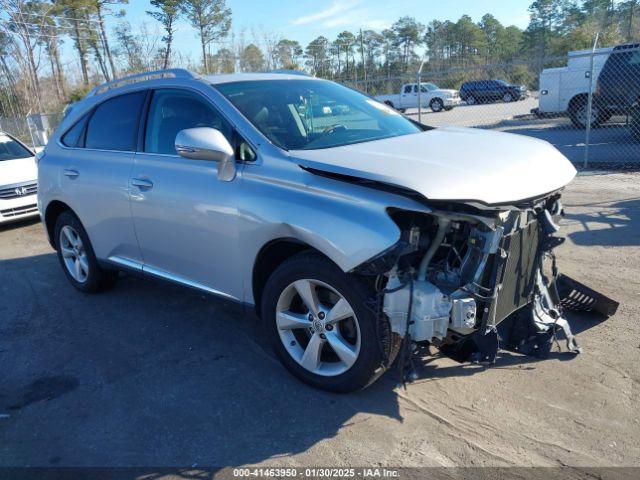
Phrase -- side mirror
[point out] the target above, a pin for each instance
(205, 143)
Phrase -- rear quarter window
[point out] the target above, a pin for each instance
(74, 137)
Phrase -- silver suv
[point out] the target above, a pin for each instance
(353, 230)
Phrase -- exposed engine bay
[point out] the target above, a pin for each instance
(467, 279)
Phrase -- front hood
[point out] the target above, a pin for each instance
(452, 163)
(444, 91)
(18, 171)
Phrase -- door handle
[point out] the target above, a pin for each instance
(142, 183)
(71, 172)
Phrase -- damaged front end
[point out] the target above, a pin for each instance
(462, 278)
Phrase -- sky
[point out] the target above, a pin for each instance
(304, 20)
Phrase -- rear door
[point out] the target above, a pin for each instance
(95, 166)
(185, 217)
(494, 90)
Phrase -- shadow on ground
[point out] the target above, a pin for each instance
(152, 374)
(612, 225)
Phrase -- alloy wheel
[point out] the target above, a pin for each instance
(74, 254)
(318, 327)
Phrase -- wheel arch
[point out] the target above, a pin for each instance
(269, 258)
(577, 100)
(54, 209)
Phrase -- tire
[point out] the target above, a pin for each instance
(578, 114)
(92, 277)
(436, 105)
(360, 332)
(507, 97)
(448, 109)
(471, 100)
(389, 104)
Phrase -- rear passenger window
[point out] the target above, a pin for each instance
(74, 137)
(174, 110)
(114, 124)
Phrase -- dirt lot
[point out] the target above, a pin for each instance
(150, 374)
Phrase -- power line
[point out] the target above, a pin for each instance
(60, 17)
(43, 26)
(57, 17)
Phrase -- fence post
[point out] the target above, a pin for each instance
(419, 86)
(419, 98)
(587, 139)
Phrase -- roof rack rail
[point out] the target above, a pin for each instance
(141, 77)
(289, 71)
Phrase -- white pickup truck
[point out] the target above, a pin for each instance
(438, 99)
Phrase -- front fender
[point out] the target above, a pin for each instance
(348, 223)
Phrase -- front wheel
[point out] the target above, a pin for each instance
(507, 97)
(319, 327)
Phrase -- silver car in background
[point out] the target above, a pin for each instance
(355, 232)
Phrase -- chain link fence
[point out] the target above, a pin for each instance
(549, 99)
(33, 130)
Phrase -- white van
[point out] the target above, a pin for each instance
(565, 90)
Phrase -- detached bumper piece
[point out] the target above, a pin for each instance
(578, 297)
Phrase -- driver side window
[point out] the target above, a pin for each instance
(172, 110)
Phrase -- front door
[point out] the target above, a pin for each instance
(185, 218)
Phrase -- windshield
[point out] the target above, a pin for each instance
(11, 150)
(313, 114)
(429, 87)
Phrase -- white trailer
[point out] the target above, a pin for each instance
(565, 90)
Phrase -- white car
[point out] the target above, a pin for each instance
(437, 99)
(18, 180)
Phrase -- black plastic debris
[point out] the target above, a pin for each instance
(576, 296)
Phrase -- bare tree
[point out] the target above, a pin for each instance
(26, 23)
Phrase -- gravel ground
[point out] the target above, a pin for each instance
(149, 374)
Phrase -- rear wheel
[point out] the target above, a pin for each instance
(579, 111)
(316, 320)
(471, 100)
(77, 258)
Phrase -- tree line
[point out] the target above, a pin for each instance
(35, 75)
